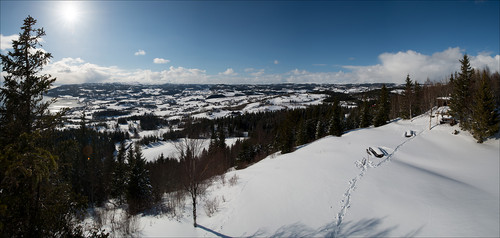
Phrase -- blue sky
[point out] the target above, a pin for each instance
(259, 41)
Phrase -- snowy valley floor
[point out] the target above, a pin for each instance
(432, 184)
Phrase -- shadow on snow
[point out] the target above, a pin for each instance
(365, 228)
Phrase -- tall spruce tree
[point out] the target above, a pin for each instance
(461, 97)
(383, 108)
(417, 99)
(120, 175)
(484, 117)
(408, 99)
(336, 120)
(139, 190)
(365, 120)
(34, 202)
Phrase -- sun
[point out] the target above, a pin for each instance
(69, 12)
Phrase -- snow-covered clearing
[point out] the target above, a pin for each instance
(432, 184)
(169, 149)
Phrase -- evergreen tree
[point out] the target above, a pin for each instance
(34, 201)
(120, 175)
(221, 137)
(461, 98)
(319, 130)
(302, 133)
(22, 109)
(408, 99)
(286, 135)
(336, 120)
(484, 117)
(383, 108)
(417, 99)
(139, 190)
(366, 119)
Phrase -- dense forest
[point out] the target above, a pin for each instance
(52, 177)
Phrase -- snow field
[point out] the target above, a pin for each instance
(431, 184)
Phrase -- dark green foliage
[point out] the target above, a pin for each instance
(461, 98)
(151, 122)
(408, 99)
(336, 120)
(146, 140)
(287, 134)
(164, 176)
(35, 198)
(139, 194)
(417, 99)
(383, 108)
(21, 107)
(109, 113)
(366, 119)
(484, 117)
(120, 174)
(221, 137)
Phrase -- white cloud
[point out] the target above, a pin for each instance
(485, 60)
(140, 52)
(392, 68)
(6, 41)
(228, 72)
(258, 73)
(276, 62)
(183, 75)
(76, 70)
(160, 61)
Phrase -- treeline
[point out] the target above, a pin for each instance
(49, 177)
(475, 99)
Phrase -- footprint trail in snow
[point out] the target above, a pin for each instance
(363, 164)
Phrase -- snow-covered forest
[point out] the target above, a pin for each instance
(99, 160)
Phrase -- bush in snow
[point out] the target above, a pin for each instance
(211, 206)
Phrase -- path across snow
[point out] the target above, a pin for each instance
(432, 184)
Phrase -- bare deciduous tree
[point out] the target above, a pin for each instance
(196, 169)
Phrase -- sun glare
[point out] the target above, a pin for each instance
(69, 12)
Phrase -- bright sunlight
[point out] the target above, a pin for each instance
(69, 12)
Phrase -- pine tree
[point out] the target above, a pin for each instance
(319, 130)
(408, 99)
(22, 109)
(336, 120)
(120, 175)
(221, 137)
(286, 137)
(484, 117)
(461, 98)
(139, 190)
(383, 108)
(33, 199)
(417, 99)
(365, 120)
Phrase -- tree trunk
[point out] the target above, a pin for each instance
(193, 196)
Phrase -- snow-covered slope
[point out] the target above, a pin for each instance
(432, 184)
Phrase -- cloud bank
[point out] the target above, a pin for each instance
(391, 68)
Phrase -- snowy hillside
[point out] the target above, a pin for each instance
(432, 184)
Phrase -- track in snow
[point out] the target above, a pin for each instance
(363, 164)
